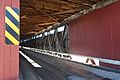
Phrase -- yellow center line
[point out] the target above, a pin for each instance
(11, 38)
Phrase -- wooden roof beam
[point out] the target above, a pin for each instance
(90, 2)
(45, 24)
(67, 11)
(54, 5)
(35, 7)
(64, 3)
(29, 32)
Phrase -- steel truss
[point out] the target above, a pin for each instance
(57, 41)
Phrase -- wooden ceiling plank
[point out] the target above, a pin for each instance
(43, 13)
(59, 4)
(48, 23)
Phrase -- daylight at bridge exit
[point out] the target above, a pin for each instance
(59, 39)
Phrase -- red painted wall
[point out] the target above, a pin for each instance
(97, 33)
(9, 56)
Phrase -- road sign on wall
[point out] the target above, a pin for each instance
(12, 28)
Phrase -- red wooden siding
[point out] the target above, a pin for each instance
(9, 56)
(97, 33)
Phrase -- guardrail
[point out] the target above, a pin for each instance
(66, 56)
(77, 58)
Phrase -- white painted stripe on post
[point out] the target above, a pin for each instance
(30, 60)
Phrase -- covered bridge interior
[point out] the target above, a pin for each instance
(59, 40)
(78, 30)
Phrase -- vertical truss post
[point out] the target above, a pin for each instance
(57, 41)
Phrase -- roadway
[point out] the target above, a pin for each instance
(53, 68)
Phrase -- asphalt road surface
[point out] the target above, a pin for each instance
(52, 68)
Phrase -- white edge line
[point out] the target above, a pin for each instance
(30, 60)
